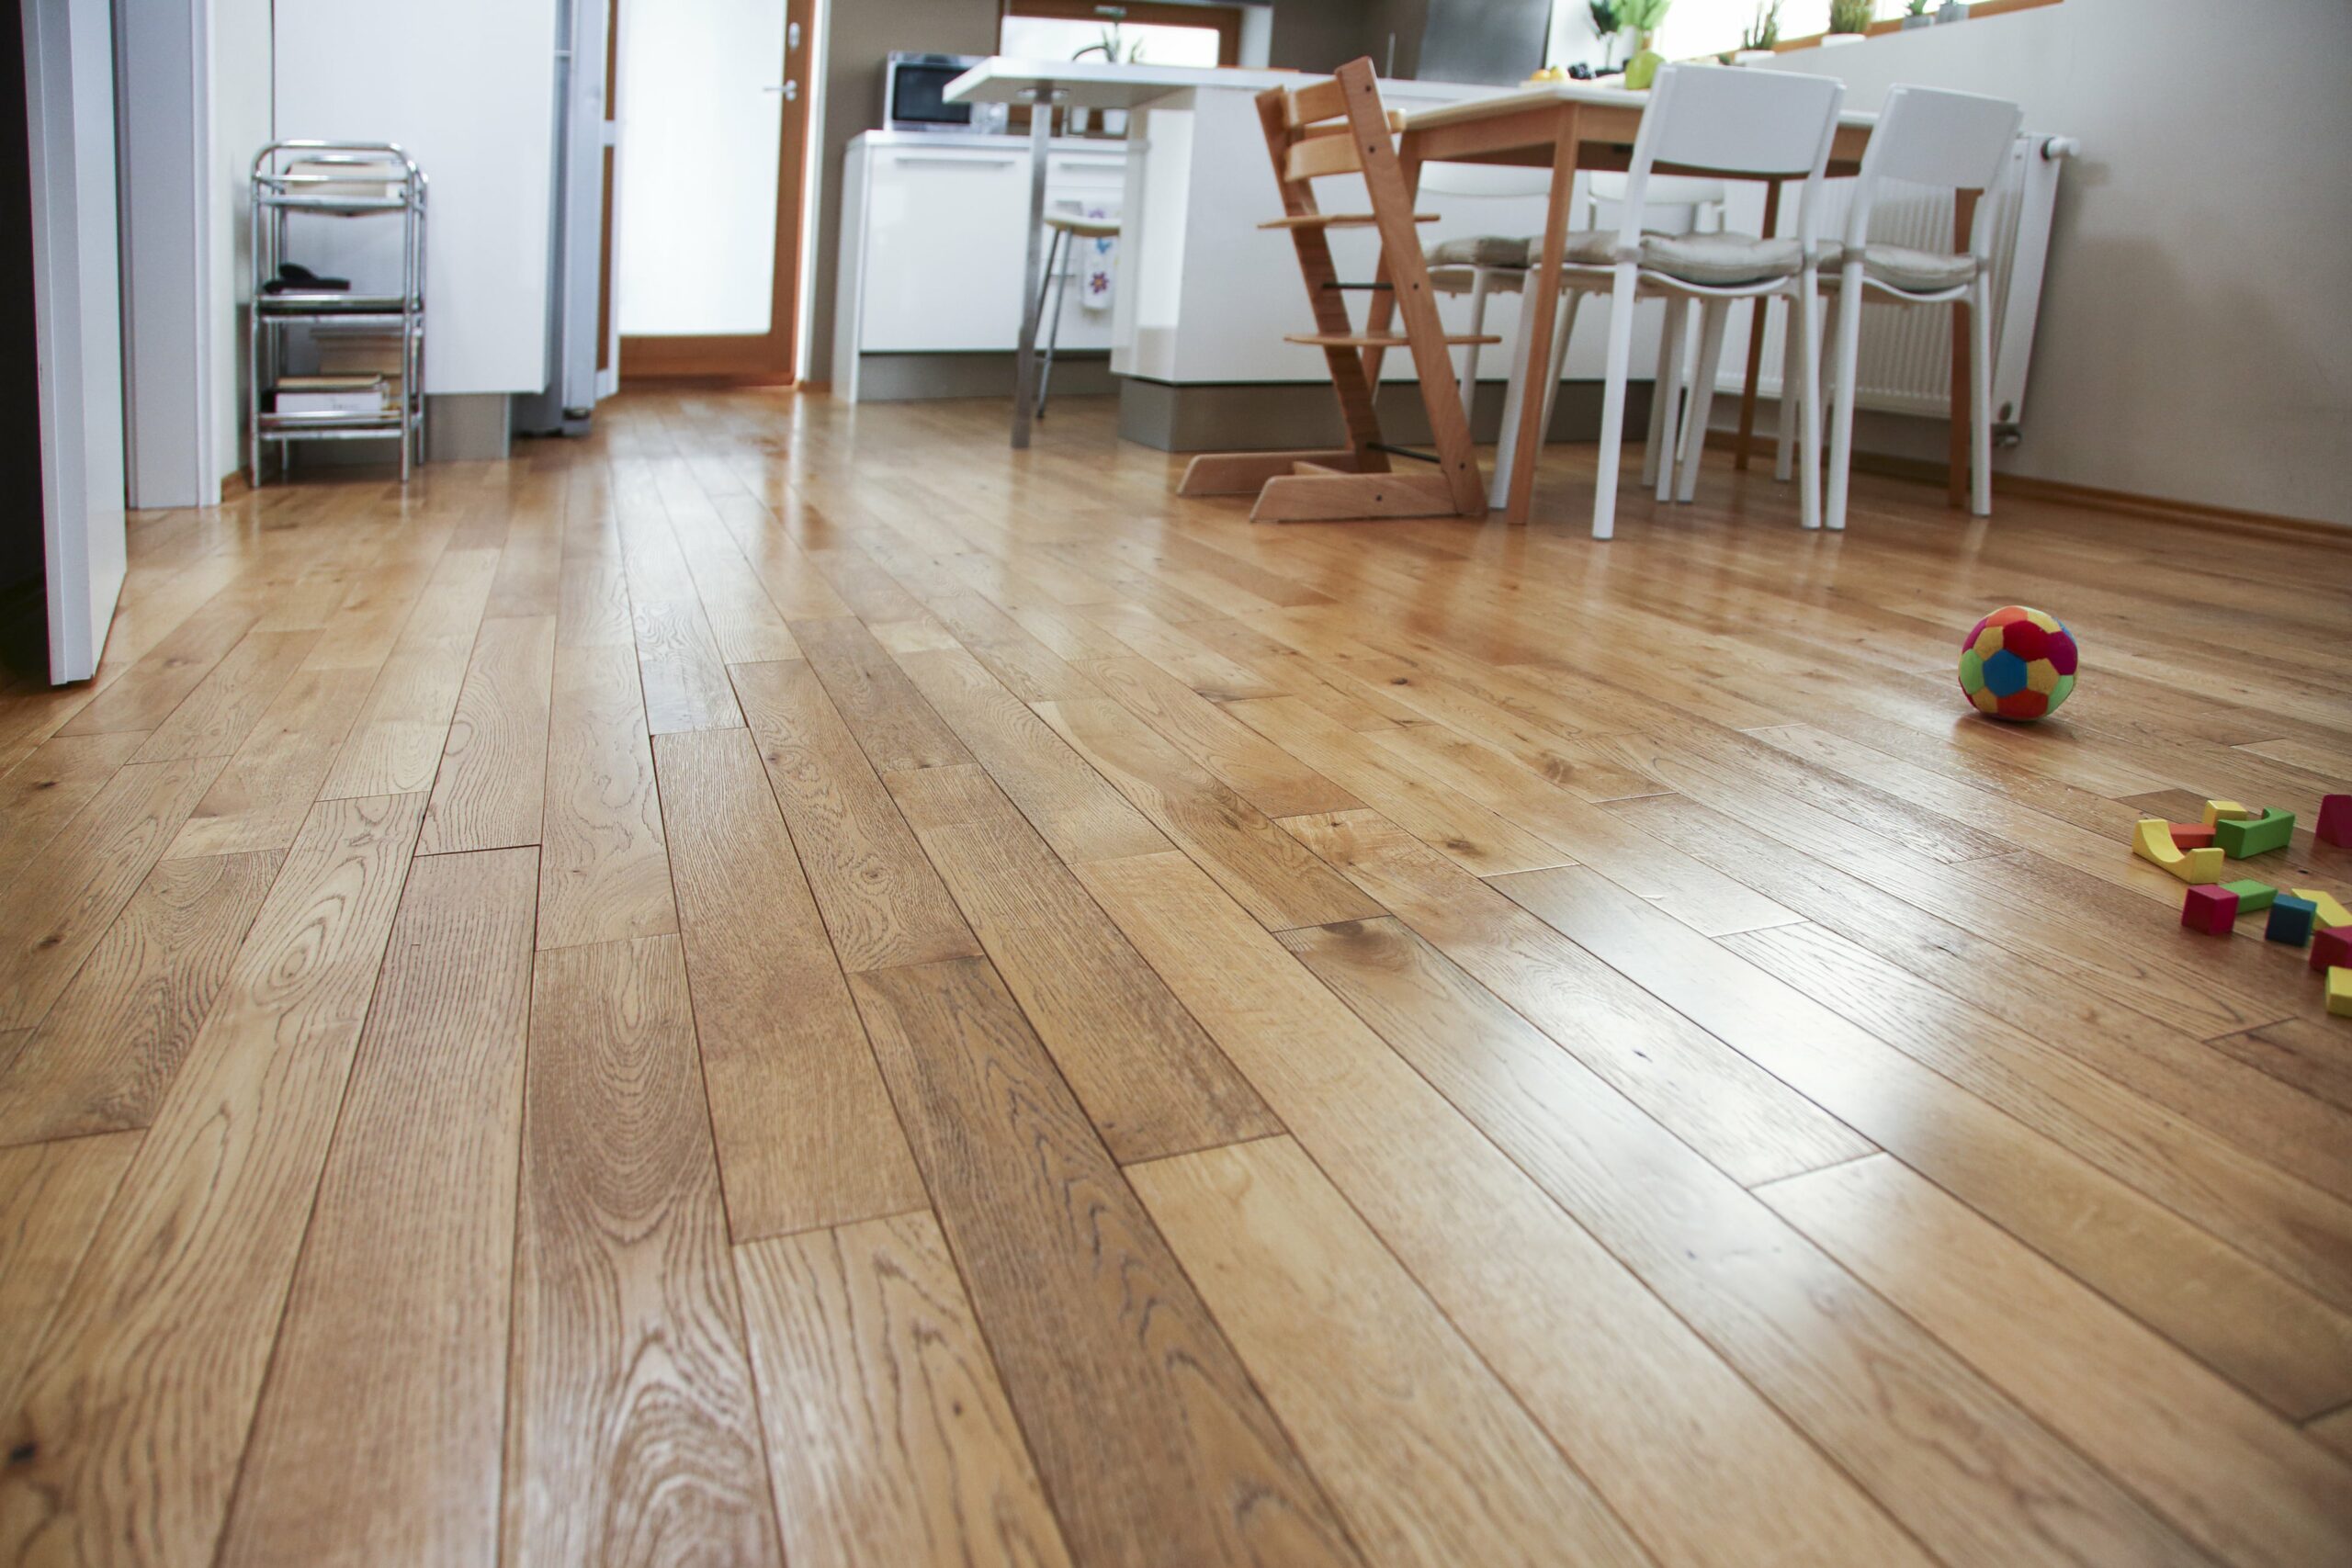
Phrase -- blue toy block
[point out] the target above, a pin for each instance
(2291, 919)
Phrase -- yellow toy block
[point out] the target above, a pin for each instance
(2217, 809)
(2152, 842)
(2339, 992)
(2330, 912)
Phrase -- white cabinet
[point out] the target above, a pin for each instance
(934, 245)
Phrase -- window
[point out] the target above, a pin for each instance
(1691, 28)
(1157, 34)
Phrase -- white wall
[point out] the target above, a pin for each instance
(2195, 342)
(468, 88)
(241, 91)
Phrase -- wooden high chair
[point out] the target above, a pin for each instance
(1339, 128)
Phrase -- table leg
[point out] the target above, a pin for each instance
(1025, 379)
(1963, 225)
(1541, 302)
(1756, 317)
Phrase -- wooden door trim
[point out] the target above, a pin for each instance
(747, 359)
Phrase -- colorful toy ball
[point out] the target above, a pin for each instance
(2017, 664)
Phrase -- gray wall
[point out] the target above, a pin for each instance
(2195, 341)
(1313, 35)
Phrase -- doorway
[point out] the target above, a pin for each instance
(703, 255)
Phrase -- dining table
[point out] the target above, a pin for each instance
(1574, 126)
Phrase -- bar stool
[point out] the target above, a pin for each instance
(1068, 227)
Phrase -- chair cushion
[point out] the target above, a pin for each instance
(1921, 272)
(1479, 250)
(1721, 260)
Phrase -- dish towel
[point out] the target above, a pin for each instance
(1098, 263)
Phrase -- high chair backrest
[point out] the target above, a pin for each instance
(1759, 124)
(1929, 137)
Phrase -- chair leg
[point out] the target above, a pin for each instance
(1662, 391)
(1670, 435)
(1478, 284)
(1562, 329)
(1844, 353)
(1809, 409)
(1506, 444)
(1612, 400)
(1980, 386)
(1784, 435)
(1060, 280)
(1713, 315)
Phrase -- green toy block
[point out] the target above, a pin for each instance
(2238, 840)
(2251, 895)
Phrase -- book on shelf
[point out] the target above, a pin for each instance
(333, 394)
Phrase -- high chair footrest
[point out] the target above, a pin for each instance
(1358, 340)
(1336, 221)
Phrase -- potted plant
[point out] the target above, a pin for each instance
(1915, 14)
(1849, 20)
(1756, 39)
(1952, 11)
(1642, 19)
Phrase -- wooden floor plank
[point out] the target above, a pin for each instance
(399, 1307)
(1262, 773)
(1640, 1402)
(395, 744)
(603, 875)
(2233, 1476)
(232, 699)
(805, 1130)
(893, 723)
(881, 901)
(1151, 1082)
(42, 794)
(101, 1060)
(489, 792)
(169, 1324)
(1108, 1357)
(264, 792)
(1433, 1461)
(60, 906)
(630, 1429)
(51, 1198)
(888, 1436)
(685, 684)
(2272, 1338)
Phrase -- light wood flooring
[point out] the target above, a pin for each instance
(784, 984)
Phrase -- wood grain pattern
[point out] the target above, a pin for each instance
(169, 1324)
(893, 723)
(493, 765)
(881, 901)
(685, 685)
(630, 1432)
(2231, 1474)
(52, 1198)
(1151, 1082)
(42, 794)
(2311, 1056)
(229, 700)
(1107, 1355)
(102, 1059)
(1431, 1461)
(805, 1130)
(61, 905)
(888, 1436)
(1253, 767)
(399, 1307)
(264, 792)
(603, 875)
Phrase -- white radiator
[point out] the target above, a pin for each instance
(1906, 353)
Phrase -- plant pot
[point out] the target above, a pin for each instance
(1834, 40)
(1951, 11)
(1753, 57)
(1921, 20)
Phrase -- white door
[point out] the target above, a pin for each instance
(77, 322)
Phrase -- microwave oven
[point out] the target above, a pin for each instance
(912, 85)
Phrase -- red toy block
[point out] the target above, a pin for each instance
(2331, 949)
(2190, 835)
(2335, 820)
(2213, 910)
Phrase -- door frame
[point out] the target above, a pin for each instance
(744, 359)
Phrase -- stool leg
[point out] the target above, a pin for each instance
(1058, 281)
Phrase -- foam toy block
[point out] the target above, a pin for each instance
(2187, 836)
(2290, 920)
(2152, 840)
(2252, 896)
(2328, 911)
(2240, 839)
(2339, 993)
(2335, 820)
(2213, 910)
(2217, 809)
(2331, 949)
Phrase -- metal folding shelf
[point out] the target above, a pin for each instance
(329, 179)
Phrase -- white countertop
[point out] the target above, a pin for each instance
(1095, 83)
(984, 142)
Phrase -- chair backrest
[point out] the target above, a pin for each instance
(1738, 121)
(1929, 137)
(1675, 204)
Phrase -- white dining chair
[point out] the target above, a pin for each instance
(1950, 141)
(1741, 124)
